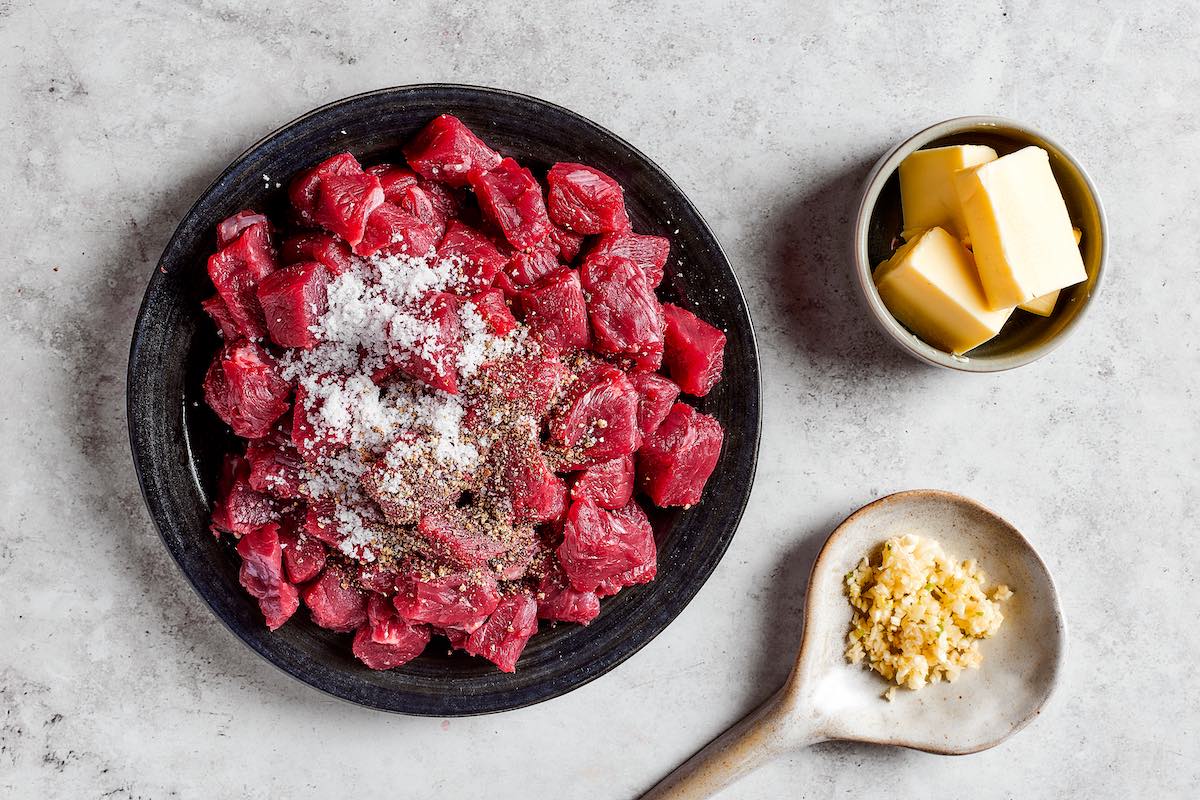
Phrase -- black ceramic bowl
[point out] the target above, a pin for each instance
(178, 442)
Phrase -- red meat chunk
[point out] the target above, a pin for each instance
(531, 384)
(428, 352)
(303, 555)
(694, 352)
(293, 300)
(394, 180)
(598, 420)
(494, 311)
(478, 257)
(459, 600)
(391, 230)
(448, 201)
(262, 575)
(422, 204)
(239, 508)
(585, 200)
(236, 270)
(345, 202)
(244, 387)
(303, 190)
(556, 312)
(215, 307)
(312, 443)
(625, 315)
(568, 243)
(528, 267)
(523, 553)
(275, 464)
(656, 395)
(558, 602)
(505, 284)
(537, 494)
(609, 483)
(678, 458)
(320, 524)
(457, 537)
(446, 150)
(506, 632)
(375, 579)
(386, 641)
(229, 228)
(511, 199)
(407, 482)
(599, 544)
(648, 252)
(324, 248)
(333, 600)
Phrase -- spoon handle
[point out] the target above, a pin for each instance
(757, 739)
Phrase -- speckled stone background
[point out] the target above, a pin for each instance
(115, 681)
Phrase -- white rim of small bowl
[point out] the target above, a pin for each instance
(889, 325)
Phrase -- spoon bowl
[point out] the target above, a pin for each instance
(827, 698)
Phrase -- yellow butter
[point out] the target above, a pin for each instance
(931, 286)
(927, 194)
(1019, 227)
(1044, 306)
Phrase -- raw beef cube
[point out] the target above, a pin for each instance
(394, 180)
(374, 578)
(656, 395)
(506, 632)
(333, 600)
(511, 199)
(609, 483)
(262, 575)
(385, 641)
(345, 202)
(293, 301)
(275, 464)
(419, 202)
(585, 200)
(460, 537)
(556, 312)
(239, 508)
(446, 150)
(568, 243)
(408, 481)
(320, 524)
(530, 384)
(236, 270)
(460, 600)
(625, 315)
(558, 602)
(303, 555)
(537, 494)
(393, 231)
(599, 544)
(304, 188)
(427, 347)
(494, 312)
(694, 352)
(447, 201)
(229, 228)
(244, 387)
(215, 307)
(528, 267)
(598, 420)
(648, 252)
(324, 248)
(478, 257)
(677, 459)
(506, 285)
(524, 550)
(312, 439)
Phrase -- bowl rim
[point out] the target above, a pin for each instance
(633, 644)
(861, 265)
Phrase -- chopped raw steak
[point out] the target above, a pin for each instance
(648, 252)
(324, 248)
(229, 228)
(394, 180)
(656, 395)
(293, 299)
(625, 315)
(506, 632)
(345, 203)
(585, 200)
(459, 600)
(558, 602)
(447, 200)
(609, 483)
(385, 641)
(529, 267)
(464, 538)
(599, 544)
(511, 199)
(492, 308)
(598, 420)
(239, 508)
(446, 150)
(677, 459)
(567, 242)
(236, 270)
(430, 352)
(303, 556)
(313, 441)
(479, 258)
(406, 482)
(391, 229)
(215, 307)
(695, 351)
(536, 493)
(262, 575)
(275, 465)
(244, 387)
(304, 189)
(529, 385)
(420, 203)
(334, 601)
(381, 581)
(556, 312)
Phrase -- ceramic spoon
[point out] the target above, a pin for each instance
(827, 698)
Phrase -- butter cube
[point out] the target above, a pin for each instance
(1044, 306)
(1019, 227)
(930, 285)
(927, 194)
